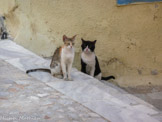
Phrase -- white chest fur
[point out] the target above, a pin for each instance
(89, 59)
(67, 55)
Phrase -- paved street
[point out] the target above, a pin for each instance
(23, 98)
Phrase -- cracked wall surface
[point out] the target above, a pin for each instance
(129, 38)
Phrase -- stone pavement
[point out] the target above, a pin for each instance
(41, 97)
(23, 98)
(151, 94)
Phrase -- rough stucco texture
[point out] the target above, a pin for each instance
(129, 38)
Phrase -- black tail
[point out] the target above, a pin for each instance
(39, 69)
(108, 78)
(4, 35)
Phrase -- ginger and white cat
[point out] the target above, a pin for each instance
(67, 56)
(62, 60)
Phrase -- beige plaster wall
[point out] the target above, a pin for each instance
(129, 38)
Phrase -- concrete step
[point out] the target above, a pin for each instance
(104, 98)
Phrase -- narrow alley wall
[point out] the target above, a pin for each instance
(129, 38)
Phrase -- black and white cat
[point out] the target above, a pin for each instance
(89, 61)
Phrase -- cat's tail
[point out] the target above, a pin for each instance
(39, 69)
(108, 78)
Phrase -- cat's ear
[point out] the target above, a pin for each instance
(64, 37)
(82, 40)
(94, 41)
(73, 38)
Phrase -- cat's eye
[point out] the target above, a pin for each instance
(73, 43)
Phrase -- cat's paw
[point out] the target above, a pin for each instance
(66, 79)
(70, 79)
